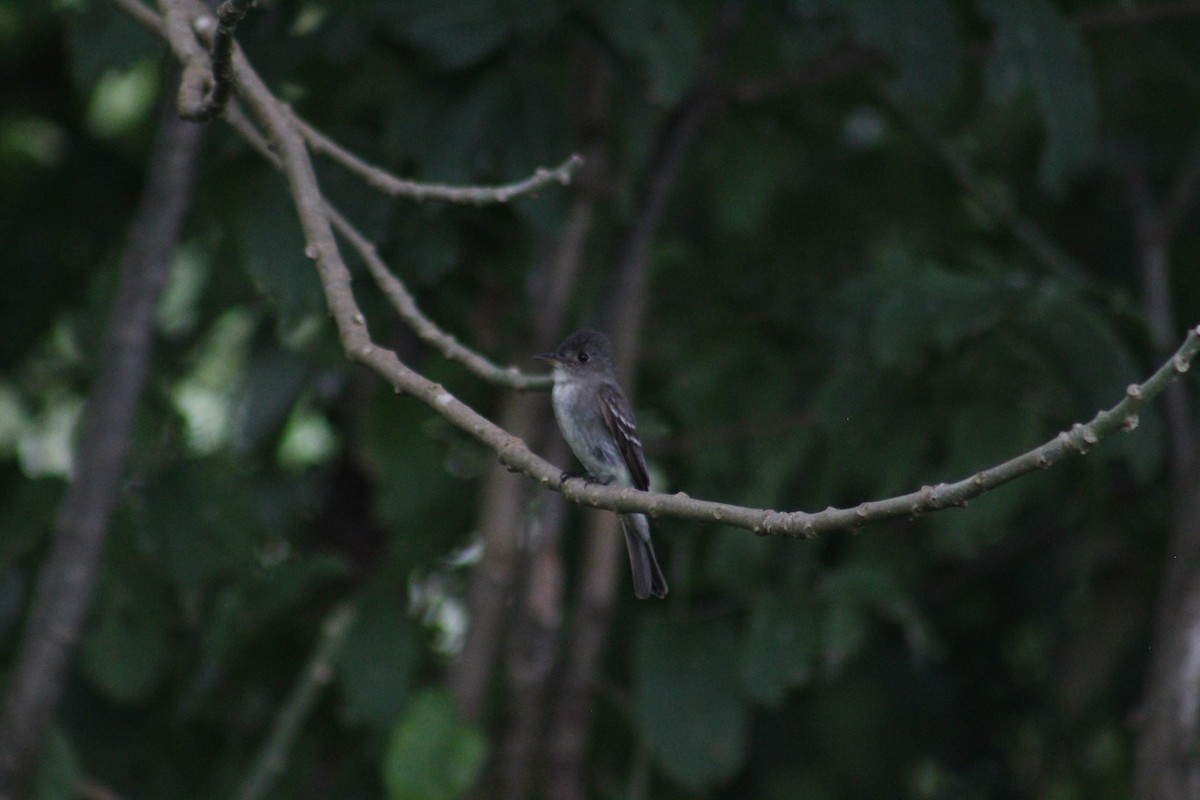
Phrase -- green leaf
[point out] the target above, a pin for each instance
(459, 33)
(198, 523)
(432, 754)
(736, 558)
(274, 248)
(845, 633)
(377, 661)
(1039, 50)
(749, 169)
(26, 514)
(124, 652)
(782, 643)
(274, 380)
(924, 305)
(658, 34)
(99, 38)
(399, 448)
(58, 771)
(921, 37)
(687, 705)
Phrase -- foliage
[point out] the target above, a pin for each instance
(832, 318)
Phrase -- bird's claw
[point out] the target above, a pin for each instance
(588, 478)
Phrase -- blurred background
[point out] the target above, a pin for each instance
(845, 248)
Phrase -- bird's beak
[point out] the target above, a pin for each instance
(549, 358)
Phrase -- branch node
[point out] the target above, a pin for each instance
(862, 512)
(1134, 392)
(928, 497)
(772, 523)
(359, 319)
(1130, 423)
(310, 251)
(809, 530)
(1181, 364)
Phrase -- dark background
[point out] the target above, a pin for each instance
(886, 244)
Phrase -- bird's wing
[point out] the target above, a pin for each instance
(618, 416)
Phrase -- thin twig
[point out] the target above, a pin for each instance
(406, 306)
(272, 759)
(395, 290)
(194, 104)
(358, 345)
(229, 14)
(394, 186)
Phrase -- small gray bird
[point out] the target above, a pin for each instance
(597, 422)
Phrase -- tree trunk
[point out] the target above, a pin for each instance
(64, 585)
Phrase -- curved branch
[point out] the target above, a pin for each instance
(358, 345)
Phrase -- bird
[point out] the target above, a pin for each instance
(597, 421)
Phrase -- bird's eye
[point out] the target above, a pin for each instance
(583, 357)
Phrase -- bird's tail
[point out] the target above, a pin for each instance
(647, 575)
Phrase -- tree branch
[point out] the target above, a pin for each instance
(272, 759)
(356, 340)
(406, 306)
(395, 290)
(208, 106)
(194, 105)
(391, 185)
